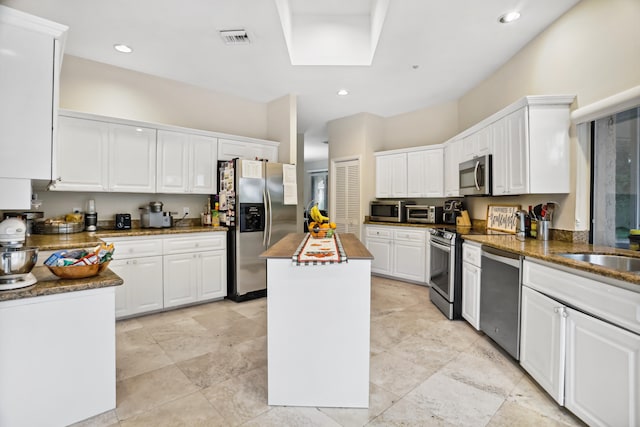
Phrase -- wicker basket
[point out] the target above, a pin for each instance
(78, 271)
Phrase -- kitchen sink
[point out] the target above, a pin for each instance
(616, 262)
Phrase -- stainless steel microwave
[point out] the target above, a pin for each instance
(388, 210)
(475, 177)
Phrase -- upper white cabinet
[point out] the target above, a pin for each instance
(30, 56)
(187, 163)
(531, 147)
(477, 144)
(93, 155)
(452, 159)
(425, 177)
(391, 175)
(229, 149)
(410, 173)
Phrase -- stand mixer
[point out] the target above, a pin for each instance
(16, 261)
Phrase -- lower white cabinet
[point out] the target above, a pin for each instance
(602, 372)
(142, 291)
(166, 272)
(588, 364)
(398, 252)
(542, 341)
(192, 271)
(471, 269)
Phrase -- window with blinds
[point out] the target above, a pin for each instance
(346, 196)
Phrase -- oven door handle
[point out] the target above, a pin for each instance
(440, 246)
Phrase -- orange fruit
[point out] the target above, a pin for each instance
(325, 225)
(312, 225)
(332, 225)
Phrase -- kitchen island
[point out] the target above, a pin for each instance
(57, 350)
(318, 319)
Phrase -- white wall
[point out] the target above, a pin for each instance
(427, 126)
(281, 126)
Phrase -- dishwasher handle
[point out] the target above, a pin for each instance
(504, 257)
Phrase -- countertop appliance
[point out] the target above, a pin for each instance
(16, 260)
(152, 216)
(452, 209)
(388, 210)
(424, 214)
(123, 221)
(27, 216)
(446, 272)
(476, 176)
(252, 205)
(501, 284)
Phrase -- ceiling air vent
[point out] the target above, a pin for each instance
(235, 37)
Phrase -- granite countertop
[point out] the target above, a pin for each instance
(548, 251)
(86, 239)
(49, 284)
(286, 247)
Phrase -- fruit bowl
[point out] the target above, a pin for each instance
(321, 233)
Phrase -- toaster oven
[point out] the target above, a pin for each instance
(388, 210)
(424, 214)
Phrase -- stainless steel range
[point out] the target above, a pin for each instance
(446, 272)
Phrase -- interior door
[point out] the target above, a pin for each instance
(345, 196)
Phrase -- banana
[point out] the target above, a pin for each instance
(317, 216)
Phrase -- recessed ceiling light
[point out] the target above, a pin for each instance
(509, 17)
(122, 48)
(343, 92)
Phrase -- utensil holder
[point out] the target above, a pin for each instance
(543, 229)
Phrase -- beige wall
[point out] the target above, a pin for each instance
(93, 87)
(427, 126)
(281, 126)
(593, 51)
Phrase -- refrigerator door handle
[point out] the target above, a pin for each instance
(264, 198)
(270, 218)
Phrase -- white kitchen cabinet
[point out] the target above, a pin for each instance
(425, 173)
(93, 155)
(531, 147)
(139, 262)
(391, 175)
(194, 269)
(30, 58)
(379, 242)
(186, 163)
(229, 149)
(398, 252)
(477, 144)
(452, 158)
(132, 159)
(542, 341)
(142, 288)
(409, 254)
(597, 327)
(602, 372)
(471, 270)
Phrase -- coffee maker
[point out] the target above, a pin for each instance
(152, 216)
(452, 210)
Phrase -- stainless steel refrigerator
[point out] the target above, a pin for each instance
(252, 204)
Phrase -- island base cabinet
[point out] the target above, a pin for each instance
(318, 333)
(57, 358)
(602, 372)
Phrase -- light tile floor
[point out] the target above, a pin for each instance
(207, 366)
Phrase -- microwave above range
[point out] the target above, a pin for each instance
(476, 177)
(389, 210)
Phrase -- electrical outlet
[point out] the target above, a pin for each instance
(76, 210)
(185, 210)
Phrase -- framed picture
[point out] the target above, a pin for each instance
(502, 218)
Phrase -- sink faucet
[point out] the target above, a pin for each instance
(521, 229)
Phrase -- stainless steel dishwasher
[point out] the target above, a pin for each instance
(500, 288)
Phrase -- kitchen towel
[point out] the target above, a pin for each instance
(319, 251)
